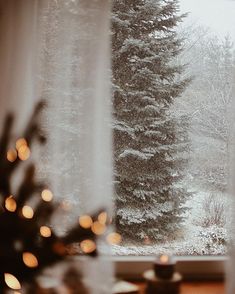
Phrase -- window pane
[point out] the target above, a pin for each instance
(172, 84)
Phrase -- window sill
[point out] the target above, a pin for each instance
(193, 268)
(195, 288)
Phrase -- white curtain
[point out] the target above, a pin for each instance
(74, 75)
(58, 50)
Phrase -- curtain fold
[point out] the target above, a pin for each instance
(59, 50)
(18, 26)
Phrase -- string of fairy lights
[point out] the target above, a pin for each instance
(98, 226)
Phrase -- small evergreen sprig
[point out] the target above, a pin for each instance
(28, 242)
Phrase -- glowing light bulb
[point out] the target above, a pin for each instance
(27, 212)
(10, 204)
(24, 152)
(11, 155)
(85, 221)
(88, 246)
(45, 231)
(102, 218)
(98, 228)
(21, 142)
(164, 258)
(12, 281)
(30, 260)
(114, 238)
(47, 195)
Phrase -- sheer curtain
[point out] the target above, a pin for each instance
(74, 79)
(58, 50)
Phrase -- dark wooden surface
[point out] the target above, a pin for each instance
(197, 288)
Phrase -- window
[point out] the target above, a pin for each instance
(172, 81)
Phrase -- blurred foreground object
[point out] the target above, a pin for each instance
(28, 243)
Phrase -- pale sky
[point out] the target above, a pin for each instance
(219, 15)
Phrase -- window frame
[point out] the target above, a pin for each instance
(193, 268)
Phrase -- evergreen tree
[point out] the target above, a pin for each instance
(149, 143)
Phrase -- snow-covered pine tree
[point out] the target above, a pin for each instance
(148, 142)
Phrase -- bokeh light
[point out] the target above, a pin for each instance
(30, 260)
(114, 238)
(102, 218)
(11, 155)
(85, 221)
(24, 152)
(20, 142)
(88, 246)
(12, 281)
(27, 211)
(47, 195)
(98, 228)
(10, 204)
(164, 258)
(45, 231)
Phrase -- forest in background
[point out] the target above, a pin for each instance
(172, 95)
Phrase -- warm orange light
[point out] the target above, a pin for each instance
(102, 218)
(88, 246)
(97, 228)
(30, 260)
(164, 258)
(21, 142)
(85, 221)
(45, 231)
(24, 152)
(114, 238)
(47, 195)
(12, 281)
(27, 212)
(11, 155)
(10, 204)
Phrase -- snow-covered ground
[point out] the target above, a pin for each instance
(203, 233)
